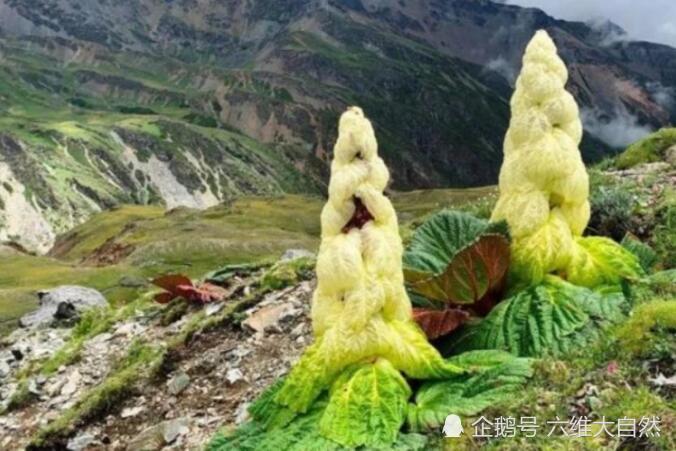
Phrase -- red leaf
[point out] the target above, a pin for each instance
(360, 216)
(436, 323)
(475, 273)
(201, 294)
(164, 298)
(171, 282)
(613, 367)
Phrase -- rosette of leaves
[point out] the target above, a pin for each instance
(455, 268)
(372, 404)
(550, 318)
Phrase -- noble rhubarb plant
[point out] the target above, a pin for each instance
(544, 186)
(458, 263)
(350, 387)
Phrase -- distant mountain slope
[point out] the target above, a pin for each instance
(191, 102)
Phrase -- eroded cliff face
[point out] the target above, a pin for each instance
(189, 103)
(49, 187)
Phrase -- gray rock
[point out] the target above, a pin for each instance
(33, 387)
(132, 282)
(4, 369)
(213, 308)
(178, 383)
(174, 428)
(293, 254)
(234, 375)
(159, 435)
(71, 384)
(132, 411)
(62, 299)
(242, 413)
(80, 442)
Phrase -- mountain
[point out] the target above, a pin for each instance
(193, 102)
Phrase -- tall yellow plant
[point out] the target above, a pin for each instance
(361, 311)
(544, 186)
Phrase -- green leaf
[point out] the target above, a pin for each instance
(601, 261)
(302, 434)
(498, 375)
(367, 406)
(647, 257)
(549, 318)
(456, 258)
(267, 411)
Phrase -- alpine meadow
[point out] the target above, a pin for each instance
(331, 225)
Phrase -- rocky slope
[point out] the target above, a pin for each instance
(138, 375)
(189, 103)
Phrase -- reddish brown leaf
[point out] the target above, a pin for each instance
(164, 298)
(201, 294)
(171, 281)
(436, 323)
(360, 216)
(476, 272)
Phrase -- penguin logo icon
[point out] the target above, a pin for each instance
(453, 426)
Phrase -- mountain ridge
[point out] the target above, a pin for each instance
(189, 103)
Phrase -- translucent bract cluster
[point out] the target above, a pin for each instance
(544, 187)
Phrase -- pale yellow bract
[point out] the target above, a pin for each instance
(360, 309)
(544, 186)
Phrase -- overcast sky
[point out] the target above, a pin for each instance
(647, 20)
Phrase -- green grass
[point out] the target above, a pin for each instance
(250, 229)
(22, 276)
(141, 361)
(647, 150)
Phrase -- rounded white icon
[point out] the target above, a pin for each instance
(453, 426)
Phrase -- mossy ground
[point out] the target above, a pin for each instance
(647, 150)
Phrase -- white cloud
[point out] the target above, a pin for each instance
(501, 66)
(650, 20)
(618, 130)
(662, 95)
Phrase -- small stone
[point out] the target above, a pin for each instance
(178, 383)
(71, 384)
(4, 369)
(127, 329)
(132, 411)
(661, 380)
(80, 442)
(297, 331)
(242, 413)
(213, 308)
(268, 316)
(174, 428)
(132, 282)
(234, 375)
(33, 387)
(55, 387)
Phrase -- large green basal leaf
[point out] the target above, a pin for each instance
(497, 376)
(547, 319)
(300, 432)
(367, 406)
(455, 257)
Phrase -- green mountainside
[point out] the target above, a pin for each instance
(189, 103)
